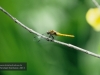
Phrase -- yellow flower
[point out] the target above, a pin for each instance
(93, 18)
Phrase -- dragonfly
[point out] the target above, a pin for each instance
(53, 33)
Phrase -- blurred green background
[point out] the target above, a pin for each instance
(47, 58)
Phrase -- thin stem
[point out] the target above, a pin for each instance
(47, 38)
(96, 3)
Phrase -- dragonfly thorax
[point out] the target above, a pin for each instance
(51, 32)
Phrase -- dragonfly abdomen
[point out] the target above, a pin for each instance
(59, 34)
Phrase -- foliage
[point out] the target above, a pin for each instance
(47, 58)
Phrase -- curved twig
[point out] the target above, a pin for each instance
(96, 3)
(47, 38)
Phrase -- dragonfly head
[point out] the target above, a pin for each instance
(48, 32)
(51, 32)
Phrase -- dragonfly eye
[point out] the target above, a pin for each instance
(48, 32)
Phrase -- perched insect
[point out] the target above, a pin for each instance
(53, 32)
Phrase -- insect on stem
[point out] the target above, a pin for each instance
(53, 32)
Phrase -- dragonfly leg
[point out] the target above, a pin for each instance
(52, 37)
